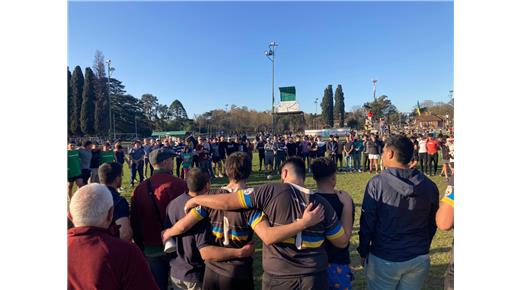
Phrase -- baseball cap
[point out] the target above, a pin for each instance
(159, 155)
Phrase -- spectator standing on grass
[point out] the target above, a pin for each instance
(85, 156)
(415, 158)
(445, 158)
(147, 147)
(357, 149)
(280, 153)
(97, 259)
(148, 211)
(374, 152)
(261, 152)
(397, 221)
(95, 161)
(301, 261)
(445, 222)
(341, 147)
(111, 175)
(338, 270)
(348, 149)
(332, 148)
(119, 154)
(216, 158)
(366, 161)
(178, 150)
(136, 155)
(322, 147)
(187, 160)
(73, 169)
(269, 157)
(292, 147)
(432, 148)
(423, 153)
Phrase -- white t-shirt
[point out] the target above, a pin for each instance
(422, 146)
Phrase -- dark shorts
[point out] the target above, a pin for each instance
(85, 174)
(316, 281)
(215, 281)
(72, 179)
(215, 159)
(269, 159)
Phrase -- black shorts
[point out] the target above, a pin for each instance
(215, 159)
(72, 179)
(315, 281)
(85, 174)
(215, 281)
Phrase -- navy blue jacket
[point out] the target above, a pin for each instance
(398, 215)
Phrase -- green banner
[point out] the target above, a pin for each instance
(287, 94)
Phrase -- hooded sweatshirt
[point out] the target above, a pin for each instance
(398, 215)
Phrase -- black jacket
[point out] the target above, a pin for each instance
(398, 215)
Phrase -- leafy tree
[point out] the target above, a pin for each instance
(381, 107)
(327, 107)
(149, 104)
(77, 99)
(339, 106)
(177, 111)
(101, 117)
(88, 103)
(69, 99)
(128, 115)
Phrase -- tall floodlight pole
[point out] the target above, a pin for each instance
(270, 55)
(315, 113)
(109, 63)
(135, 124)
(374, 82)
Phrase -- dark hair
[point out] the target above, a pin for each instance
(108, 172)
(297, 163)
(402, 146)
(323, 168)
(87, 143)
(238, 166)
(196, 180)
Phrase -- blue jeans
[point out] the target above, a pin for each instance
(407, 275)
(160, 267)
(136, 168)
(348, 163)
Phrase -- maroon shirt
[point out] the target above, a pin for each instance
(98, 260)
(143, 215)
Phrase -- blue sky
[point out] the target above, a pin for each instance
(211, 54)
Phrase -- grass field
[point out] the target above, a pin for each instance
(355, 184)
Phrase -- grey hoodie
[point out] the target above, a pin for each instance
(398, 215)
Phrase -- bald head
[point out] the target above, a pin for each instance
(92, 205)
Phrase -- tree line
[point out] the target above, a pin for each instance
(88, 110)
(89, 93)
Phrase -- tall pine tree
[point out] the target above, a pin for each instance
(177, 111)
(339, 106)
(101, 118)
(69, 100)
(77, 81)
(327, 107)
(88, 104)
